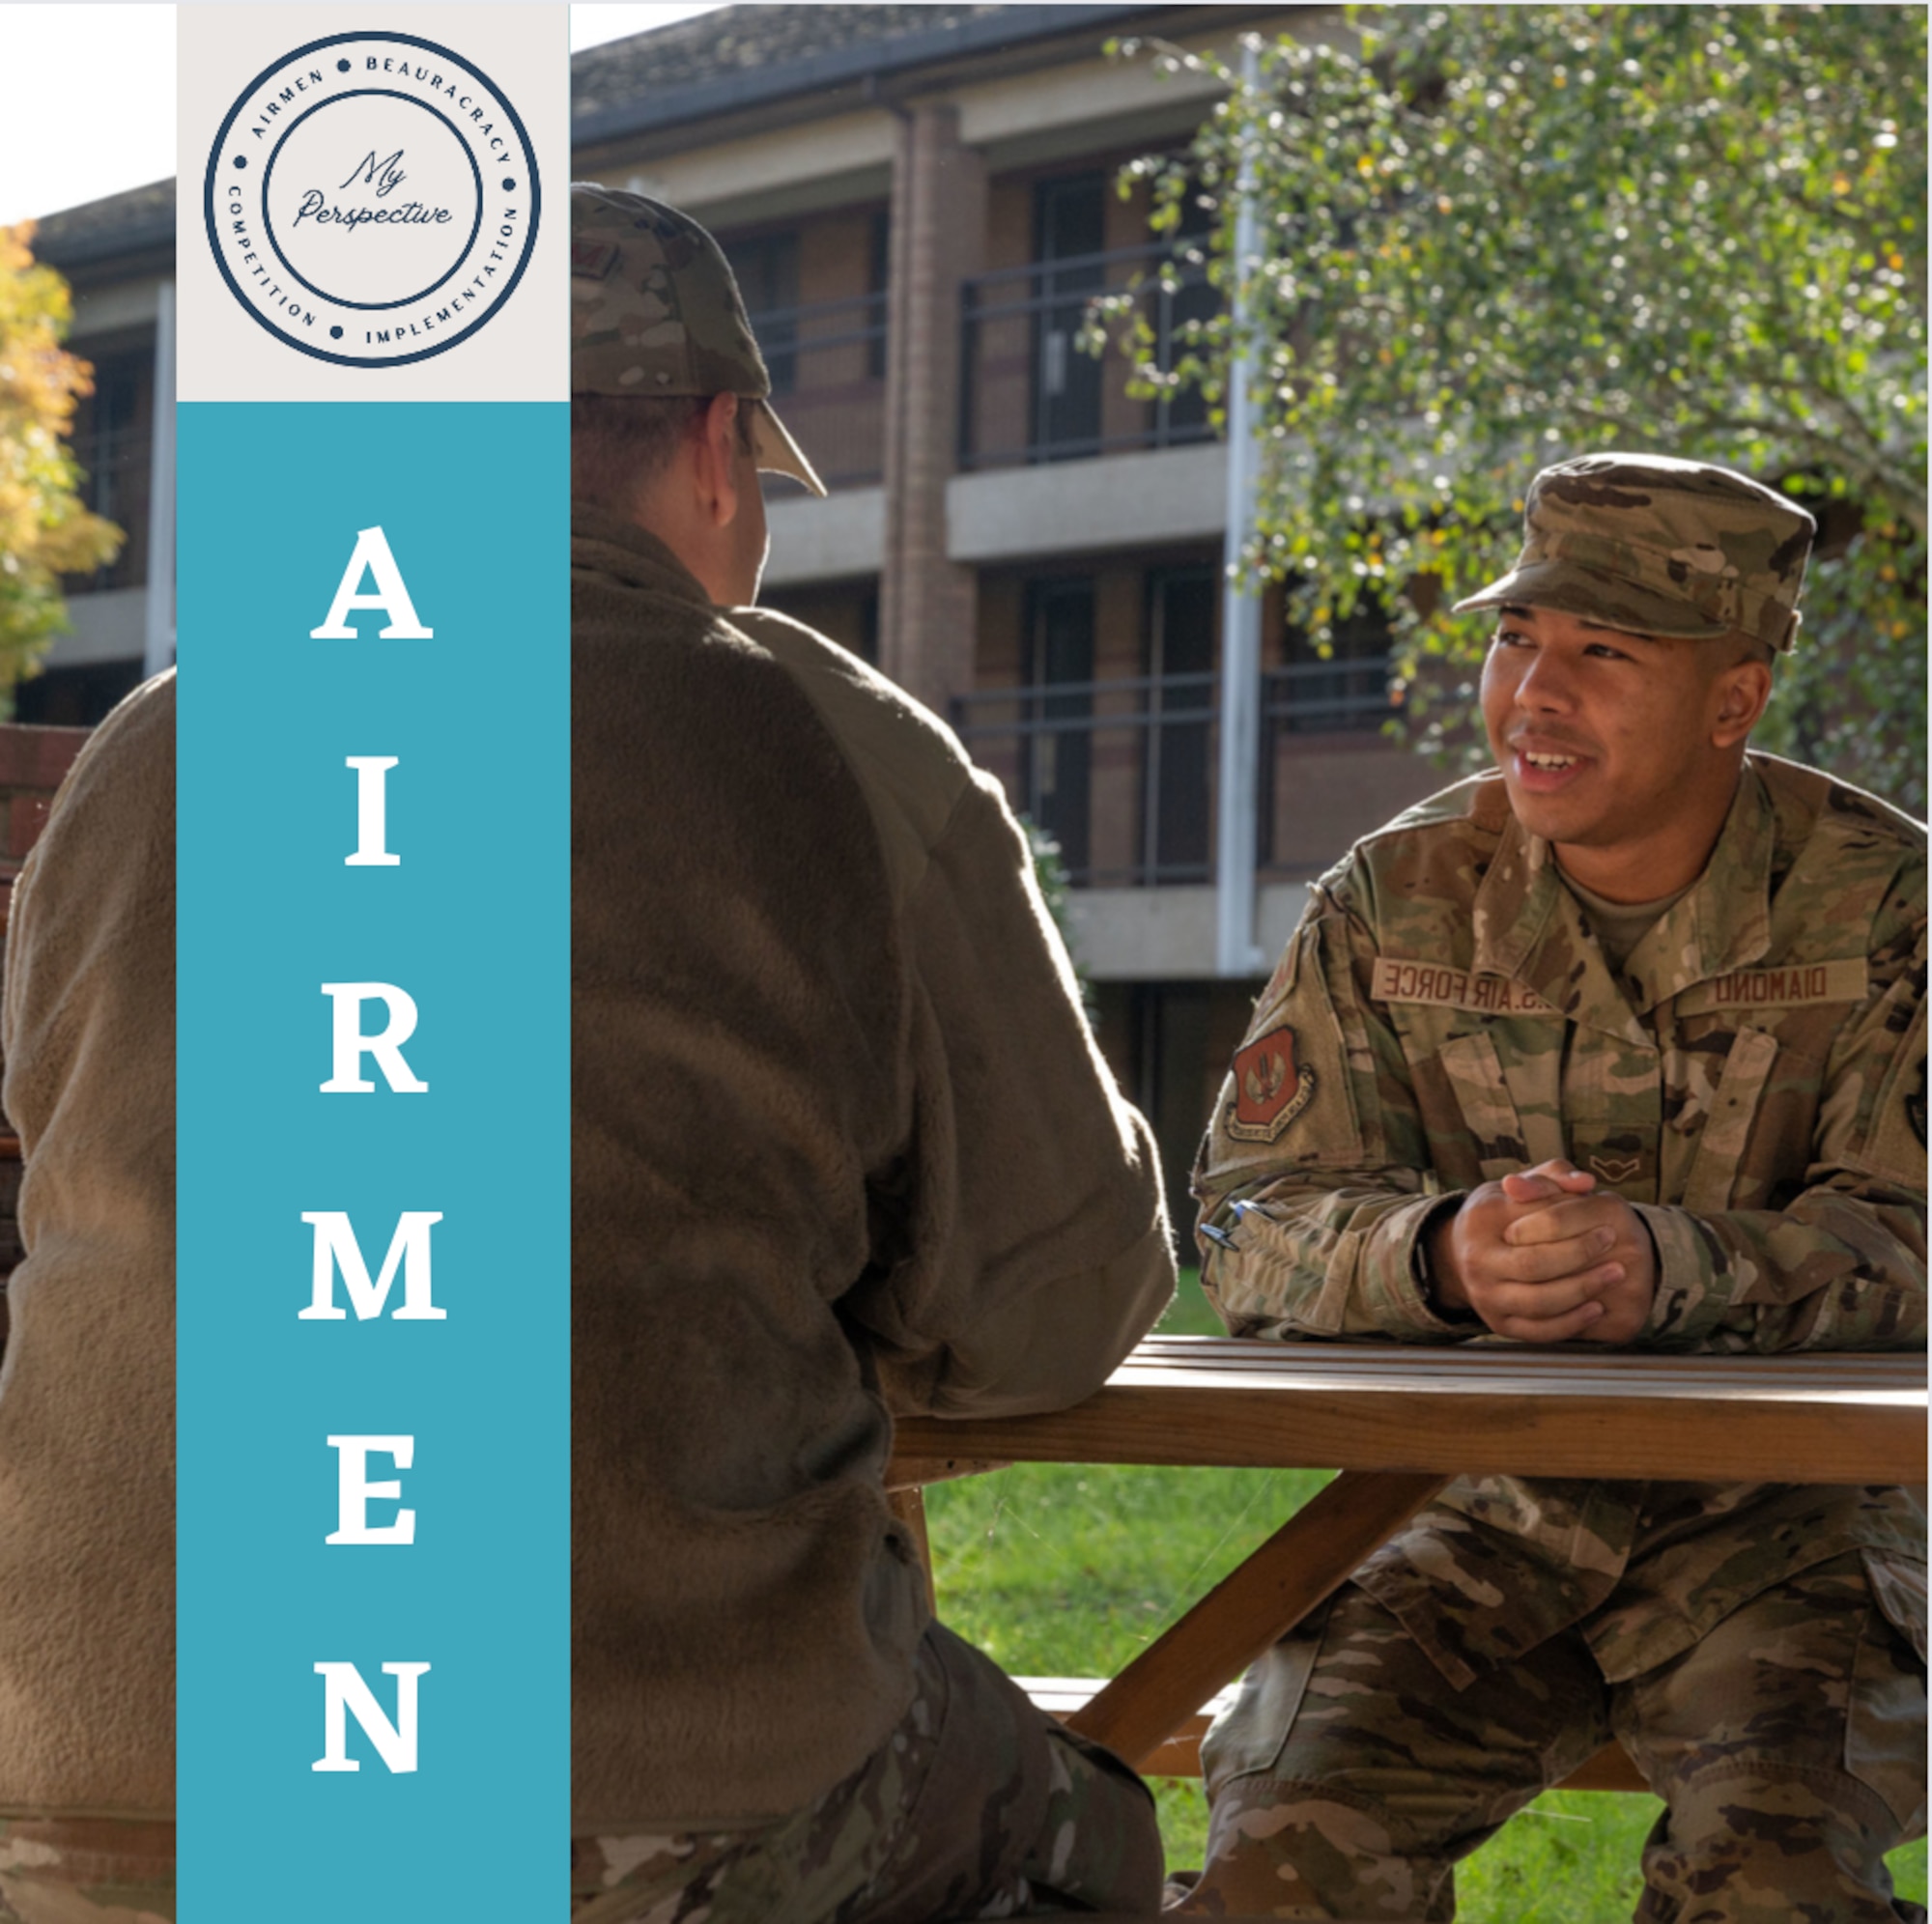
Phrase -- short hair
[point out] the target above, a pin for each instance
(620, 444)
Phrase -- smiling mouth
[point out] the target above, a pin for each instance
(1547, 770)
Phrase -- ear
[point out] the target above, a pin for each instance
(1739, 696)
(716, 432)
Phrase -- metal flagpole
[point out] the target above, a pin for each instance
(1236, 953)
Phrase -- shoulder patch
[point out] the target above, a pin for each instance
(1439, 986)
(1270, 1091)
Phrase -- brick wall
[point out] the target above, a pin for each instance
(32, 764)
(833, 400)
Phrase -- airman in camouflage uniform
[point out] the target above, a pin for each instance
(1489, 1092)
(72, 1870)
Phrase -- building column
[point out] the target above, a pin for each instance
(158, 646)
(928, 604)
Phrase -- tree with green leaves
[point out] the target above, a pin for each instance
(44, 530)
(1494, 237)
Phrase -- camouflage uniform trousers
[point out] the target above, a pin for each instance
(978, 1806)
(86, 1871)
(1788, 1746)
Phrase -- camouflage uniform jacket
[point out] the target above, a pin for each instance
(1754, 1084)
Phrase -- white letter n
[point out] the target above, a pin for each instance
(344, 1691)
(371, 553)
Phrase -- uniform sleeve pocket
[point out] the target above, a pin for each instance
(1711, 1184)
(1895, 1144)
(1489, 1112)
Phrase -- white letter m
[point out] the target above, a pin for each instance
(336, 1245)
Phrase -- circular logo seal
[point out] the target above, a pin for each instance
(372, 199)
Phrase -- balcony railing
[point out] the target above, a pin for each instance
(1320, 698)
(1122, 772)
(1027, 391)
(828, 367)
(1117, 771)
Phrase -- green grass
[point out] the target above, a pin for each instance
(1066, 1571)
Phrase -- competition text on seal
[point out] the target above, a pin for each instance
(372, 199)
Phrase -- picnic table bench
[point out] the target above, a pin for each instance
(1399, 1422)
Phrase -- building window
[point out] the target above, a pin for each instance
(113, 442)
(1069, 235)
(74, 697)
(767, 272)
(867, 646)
(1182, 606)
(1310, 694)
(878, 284)
(1059, 760)
(1030, 392)
(1184, 416)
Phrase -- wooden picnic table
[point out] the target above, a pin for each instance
(1399, 1422)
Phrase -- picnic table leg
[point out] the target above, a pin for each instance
(1309, 1557)
(908, 1505)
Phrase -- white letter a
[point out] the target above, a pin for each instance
(372, 553)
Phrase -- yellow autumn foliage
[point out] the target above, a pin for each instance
(46, 530)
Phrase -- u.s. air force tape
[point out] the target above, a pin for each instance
(1442, 987)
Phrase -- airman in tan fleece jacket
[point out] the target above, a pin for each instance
(841, 1141)
(841, 1145)
(87, 1443)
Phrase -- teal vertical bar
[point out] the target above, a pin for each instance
(473, 925)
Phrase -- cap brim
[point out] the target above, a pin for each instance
(1607, 600)
(776, 452)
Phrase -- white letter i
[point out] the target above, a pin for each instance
(371, 812)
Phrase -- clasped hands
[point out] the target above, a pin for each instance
(1544, 1256)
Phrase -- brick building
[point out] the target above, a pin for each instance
(919, 201)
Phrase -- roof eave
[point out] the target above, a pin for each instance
(117, 244)
(875, 61)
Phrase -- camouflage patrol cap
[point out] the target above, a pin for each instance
(1656, 545)
(653, 311)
